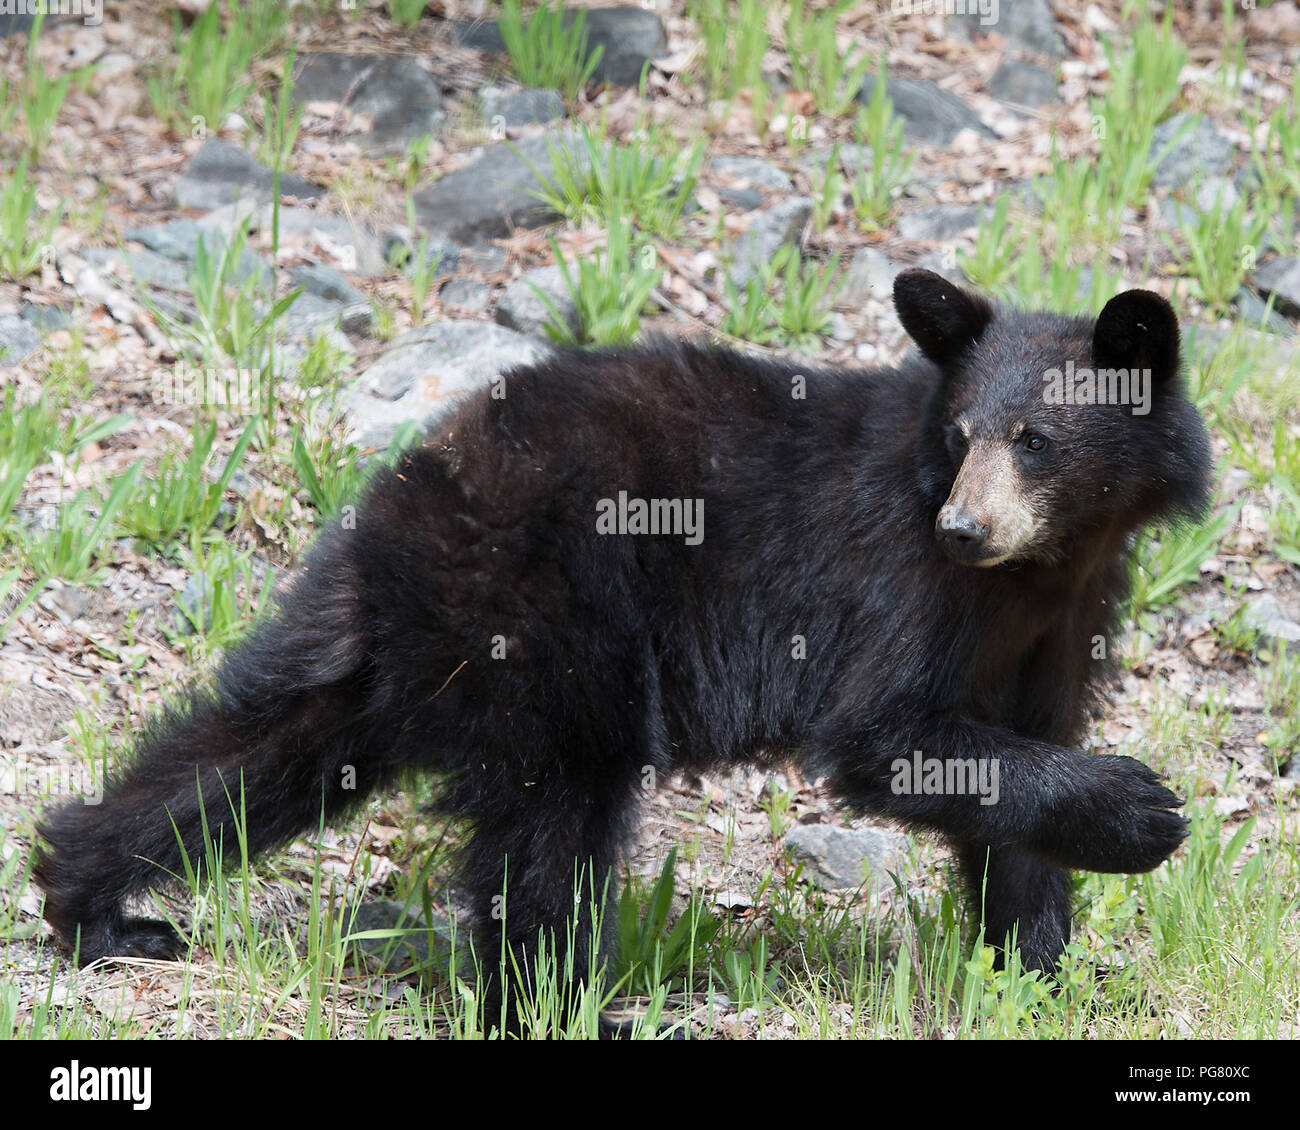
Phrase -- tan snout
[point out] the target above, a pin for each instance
(988, 518)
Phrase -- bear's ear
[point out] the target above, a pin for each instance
(1137, 330)
(941, 318)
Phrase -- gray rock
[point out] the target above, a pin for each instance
(1175, 213)
(46, 319)
(941, 222)
(1023, 84)
(515, 108)
(326, 282)
(394, 92)
(140, 268)
(399, 248)
(742, 199)
(1254, 310)
(415, 944)
(194, 603)
(844, 858)
(1200, 151)
(18, 339)
(489, 260)
(66, 601)
(750, 172)
(869, 276)
(428, 371)
(522, 309)
(357, 319)
(1263, 614)
(929, 113)
(1217, 192)
(1280, 279)
(1028, 23)
(851, 158)
(221, 173)
(469, 295)
(359, 250)
(781, 224)
(630, 36)
(180, 240)
(492, 195)
(307, 316)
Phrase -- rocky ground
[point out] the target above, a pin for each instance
(980, 111)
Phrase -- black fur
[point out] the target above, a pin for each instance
(622, 652)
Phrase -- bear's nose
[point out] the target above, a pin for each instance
(960, 534)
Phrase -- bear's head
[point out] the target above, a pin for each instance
(1045, 431)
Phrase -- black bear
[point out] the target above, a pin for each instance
(676, 556)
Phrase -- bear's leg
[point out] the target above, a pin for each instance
(284, 735)
(1018, 892)
(1095, 812)
(538, 868)
(196, 771)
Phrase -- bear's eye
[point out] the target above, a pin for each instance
(956, 440)
(1035, 442)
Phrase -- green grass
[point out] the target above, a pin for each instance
(649, 181)
(1143, 91)
(1167, 560)
(232, 325)
(610, 288)
(178, 500)
(992, 264)
(1276, 162)
(807, 293)
(41, 95)
(227, 599)
(332, 471)
(1056, 283)
(1222, 243)
(788, 301)
(1205, 946)
(735, 41)
(818, 64)
(71, 549)
(209, 78)
(25, 235)
(828, 190)
(280, 119)
(714, 26)
(421, 268)
(877, 182)
(549, 48)
(1279, 680)
(33, 430)
(407, 13)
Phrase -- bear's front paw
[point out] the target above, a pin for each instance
(1120, 819)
